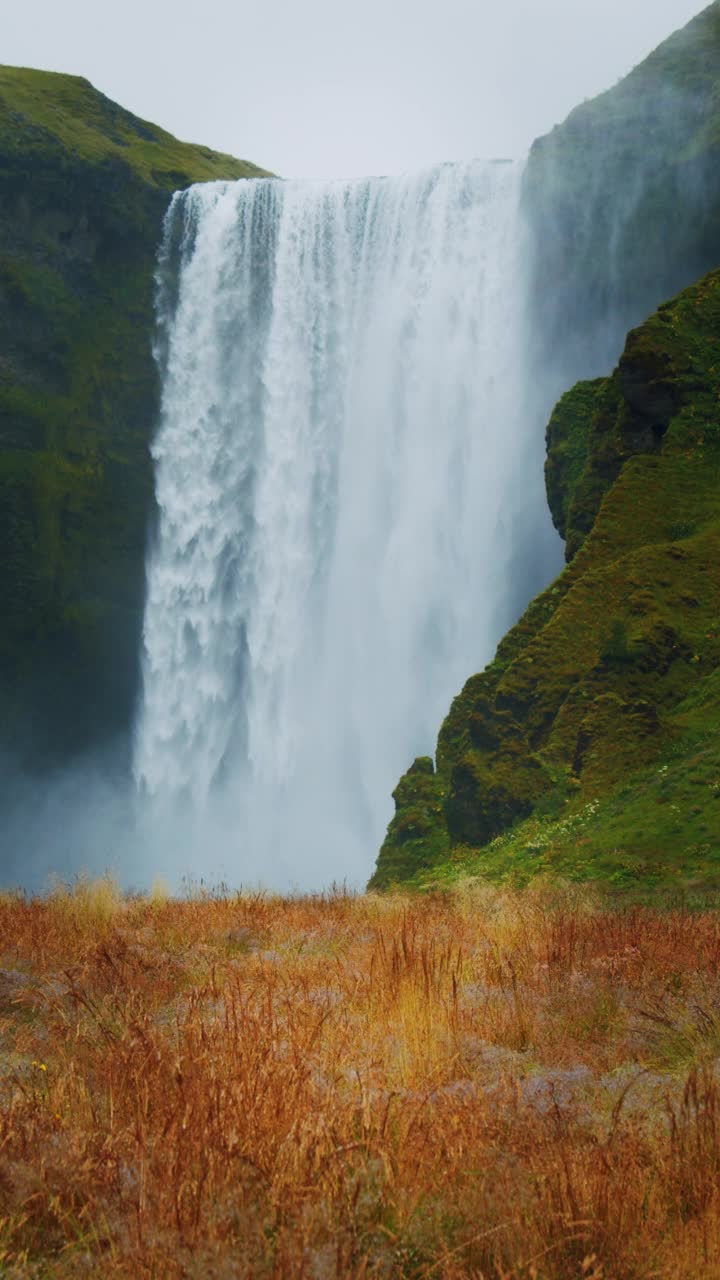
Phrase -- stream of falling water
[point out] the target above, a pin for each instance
(340, 458)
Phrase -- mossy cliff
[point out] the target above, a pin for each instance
(84, 187)
(623, 202)
(591, 744)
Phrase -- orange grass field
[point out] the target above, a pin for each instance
(484, 1084)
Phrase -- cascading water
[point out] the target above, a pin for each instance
(341, 435)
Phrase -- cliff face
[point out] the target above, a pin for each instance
(623, 202)
(84, 187)
(590, 745)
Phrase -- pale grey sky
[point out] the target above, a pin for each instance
(336, 88)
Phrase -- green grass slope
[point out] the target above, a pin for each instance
(591, 745)
(84, 186)
(43, 109)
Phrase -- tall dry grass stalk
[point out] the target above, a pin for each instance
(482, 1084)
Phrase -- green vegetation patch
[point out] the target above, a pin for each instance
(85, 187)
(42, 108)
(590, 747)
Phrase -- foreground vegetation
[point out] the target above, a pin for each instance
(473, 1084)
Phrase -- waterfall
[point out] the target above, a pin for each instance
(341, 463)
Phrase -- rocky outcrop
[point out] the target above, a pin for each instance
(84, 187)
(611, 674)
(610, 683)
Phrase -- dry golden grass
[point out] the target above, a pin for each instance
(482, 1084)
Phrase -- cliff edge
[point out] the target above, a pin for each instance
(591, 744)
(84, 186)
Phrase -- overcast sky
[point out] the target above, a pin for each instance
(334, 88)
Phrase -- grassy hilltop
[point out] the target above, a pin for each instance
(43, 112)
(84, 186)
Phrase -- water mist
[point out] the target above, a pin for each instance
(343, 451)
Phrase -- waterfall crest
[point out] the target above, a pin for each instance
(340, 452)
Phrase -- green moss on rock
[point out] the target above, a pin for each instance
(568, 439)
(42, 110)
(417, 836)
(613, 671)
(84, 186)
(589, 746)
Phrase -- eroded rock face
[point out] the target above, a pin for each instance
(83, 191)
